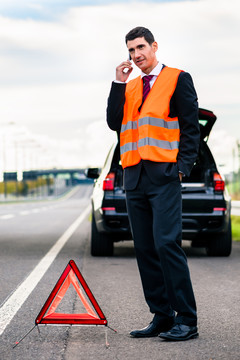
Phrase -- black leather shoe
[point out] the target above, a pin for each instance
(153, 329)
(180, 332)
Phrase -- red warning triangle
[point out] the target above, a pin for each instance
(93, 315)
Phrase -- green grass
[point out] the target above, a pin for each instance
(10, 186)
(234, 190)
(236, 228)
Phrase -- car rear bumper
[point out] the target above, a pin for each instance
(111, 222)
(194, 225)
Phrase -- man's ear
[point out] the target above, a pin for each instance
(155, 46)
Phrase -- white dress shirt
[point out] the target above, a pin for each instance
(155, 72)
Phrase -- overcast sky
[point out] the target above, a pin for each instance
(58, 58)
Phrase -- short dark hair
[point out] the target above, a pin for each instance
(140, 31)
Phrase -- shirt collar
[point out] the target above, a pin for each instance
(155, 72)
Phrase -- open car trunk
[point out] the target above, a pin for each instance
(201, 176)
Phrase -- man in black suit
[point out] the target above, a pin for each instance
(153, 170)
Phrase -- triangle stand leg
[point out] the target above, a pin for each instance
(106, 334)
(106, 337)
(18, 342)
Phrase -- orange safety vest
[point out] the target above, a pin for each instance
(150, 134)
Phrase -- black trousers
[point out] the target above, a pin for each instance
(155, 214)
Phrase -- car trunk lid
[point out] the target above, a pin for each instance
(206, 120)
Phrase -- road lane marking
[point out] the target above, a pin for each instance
(24, 212)
(20, 295)
(34, 211)
(7, 216)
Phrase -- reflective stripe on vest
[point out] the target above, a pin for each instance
(150, 134)
(150, 121)
(151, 142)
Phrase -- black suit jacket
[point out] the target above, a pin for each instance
(184, 105)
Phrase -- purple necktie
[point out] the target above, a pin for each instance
(146, 86)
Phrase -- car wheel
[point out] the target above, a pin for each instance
(101, 244)
(220, 244)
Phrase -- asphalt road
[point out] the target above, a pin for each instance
(28, 234)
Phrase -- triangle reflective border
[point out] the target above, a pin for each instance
(93, 315)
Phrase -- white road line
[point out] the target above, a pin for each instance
(35, 210)
(16, 300)
(24, 212)
(7, 216)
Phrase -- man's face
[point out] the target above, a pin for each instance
(143, 54)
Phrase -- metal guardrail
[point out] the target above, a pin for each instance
(235, 208)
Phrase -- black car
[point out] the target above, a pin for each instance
(206, 204)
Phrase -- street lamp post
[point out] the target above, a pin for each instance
(238, 170)
(4, 165)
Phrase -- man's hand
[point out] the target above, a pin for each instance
(123, 71)
(180, 176)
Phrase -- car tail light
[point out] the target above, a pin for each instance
(108, 182)
(219, 183)
(108, 208)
